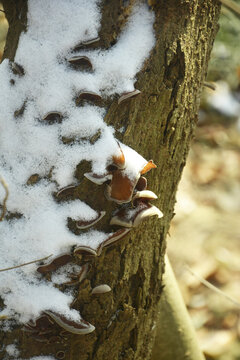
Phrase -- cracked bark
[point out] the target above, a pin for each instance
(159, 125)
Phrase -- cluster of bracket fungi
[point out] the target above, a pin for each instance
(119, 187)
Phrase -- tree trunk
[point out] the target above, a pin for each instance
(159, 125)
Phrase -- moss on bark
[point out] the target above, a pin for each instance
(159, 125)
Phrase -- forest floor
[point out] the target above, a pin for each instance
(205, 235)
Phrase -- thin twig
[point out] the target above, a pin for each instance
(212, 287)
(231, 5)
(28, 263)
(4, 209)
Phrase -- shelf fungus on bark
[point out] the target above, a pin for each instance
(80, 63)
(111, 238)
(101, 289)
(86, 43)
(88, 96)
(56, 263)
(132, 216)
(84, 224)
(75, 327)
(122, 186)
(53, 117)
(128, 95)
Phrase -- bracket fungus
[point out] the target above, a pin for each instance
(128, 95)
(81, 63)
(142, 209)
(84, 224)
(75, 327)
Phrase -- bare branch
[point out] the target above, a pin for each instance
(212, 287)
(28, 263)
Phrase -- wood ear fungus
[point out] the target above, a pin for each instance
(128, 95)
(88, 96)
(80, 63)
(53, 117)
(84, 224)
(81, 327)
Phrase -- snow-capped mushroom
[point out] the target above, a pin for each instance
(128, 95)
(121, 187)
(101, 289)
(53, 117)
(81, 327)
(84, 224)
(54, 264)
(88, 96)
(80, 62)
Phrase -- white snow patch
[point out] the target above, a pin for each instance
(29, 145)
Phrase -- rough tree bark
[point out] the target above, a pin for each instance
(159, 125)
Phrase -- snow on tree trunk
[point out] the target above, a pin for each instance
(68, 106)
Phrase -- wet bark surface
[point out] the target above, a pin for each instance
(159, 124)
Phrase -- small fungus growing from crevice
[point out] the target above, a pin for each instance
(101, 289)
(128, 96)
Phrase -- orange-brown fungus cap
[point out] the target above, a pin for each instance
(121, 187)
(150, 165)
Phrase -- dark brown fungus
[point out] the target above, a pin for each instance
(75, 327)
(55, 263)
(88, 96)
(17, 69)
(128, 95)
(60, 355)
(42, 325)
(53, 117)
(80, 63)
(141, 184)
(19, 112)
(132, 217)
(84, 224)
(117, 235)
(33, 179)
